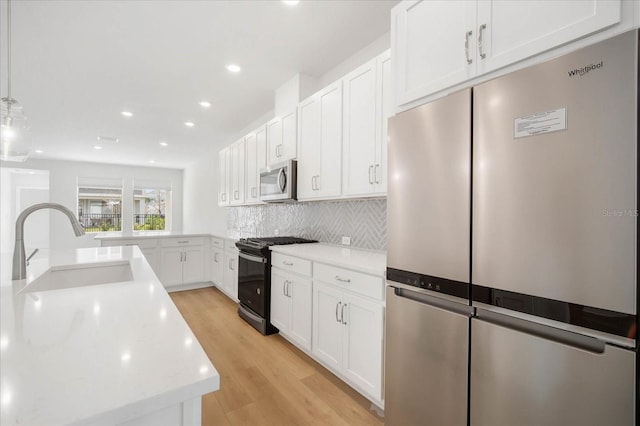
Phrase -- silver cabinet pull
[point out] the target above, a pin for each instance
(313, 183)
(342, 320)
(281, 146)
(223, 197)
(480, 31)
(375, 173)
(370, 174)
(466, 46)
(181, 257)
(254, 192)
(343, 280)
(185, 256)
(338, 307)
(236, 194)
(183, 242)
(317, 182)
(215, 257)
(284, 288)
(284, 262)
(289, 288)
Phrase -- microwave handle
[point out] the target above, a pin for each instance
(282, 180)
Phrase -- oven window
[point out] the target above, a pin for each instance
(251, 285)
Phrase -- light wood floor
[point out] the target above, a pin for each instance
(264, 380)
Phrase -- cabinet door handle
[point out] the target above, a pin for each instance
(185, 256)
(183, 242)
(342, 320)
(253, 192)
(338, 307)
(313, 183)
(284, 262)
(466, 46)
(480, 31)
(375, 173)
(236, 194)
(317, 182)
(215, 257)
(181, 257)
(284, 288)
(224, 197)
(370, 173)
(343, 280)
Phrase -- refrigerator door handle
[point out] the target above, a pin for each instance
(436, 302)
(569, 338)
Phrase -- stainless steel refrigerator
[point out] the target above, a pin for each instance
(512, 248)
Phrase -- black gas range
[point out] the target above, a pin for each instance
(254, 279)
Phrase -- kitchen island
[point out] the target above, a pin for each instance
(78, 351)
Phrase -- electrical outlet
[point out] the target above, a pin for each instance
(346, 241)
(276, 232)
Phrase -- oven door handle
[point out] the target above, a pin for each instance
(253, 258)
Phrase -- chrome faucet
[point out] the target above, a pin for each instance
(19, 261)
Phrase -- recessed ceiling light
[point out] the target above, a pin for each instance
(38, 151)
(205, 104)
(97, 147)
(189, 123)
(164, 143)
(127, 113)
(152, 161)
(233, 68)
(290, 2)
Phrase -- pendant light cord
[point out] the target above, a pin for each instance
(9, 52)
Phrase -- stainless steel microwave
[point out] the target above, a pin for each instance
(278, 182)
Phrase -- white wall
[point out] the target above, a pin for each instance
(201, 182)
(20, 188)
(201, 211)
(63, 177)
(363, 55)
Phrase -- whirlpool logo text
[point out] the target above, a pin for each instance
(582, 71)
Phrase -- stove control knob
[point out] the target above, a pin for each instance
(258, 290)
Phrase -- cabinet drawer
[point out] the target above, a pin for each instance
(290, 263)
(357, 282)
(217, 243)
(142, 243)
(179, 242)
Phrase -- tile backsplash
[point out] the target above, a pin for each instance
(365, 221)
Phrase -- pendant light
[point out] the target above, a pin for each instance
(13, 125)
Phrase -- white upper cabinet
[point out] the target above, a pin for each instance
(281, 138)
(256, 159)
(237, 172)
(428, 46)
(510, 31)
(320, 144)
(223, 176)
(366, 110)
(438, 44)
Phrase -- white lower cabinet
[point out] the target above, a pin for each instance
(347, 336)
(230, 274)
(291, 306)
(182, 265)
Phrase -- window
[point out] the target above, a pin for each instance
(100, 204)
(151, 206)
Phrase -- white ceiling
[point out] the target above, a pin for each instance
(78, 64)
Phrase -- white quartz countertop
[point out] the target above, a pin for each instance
(370, 262)
(95, 354)
(146, 234)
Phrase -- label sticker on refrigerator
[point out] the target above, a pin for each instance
(541, 122)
